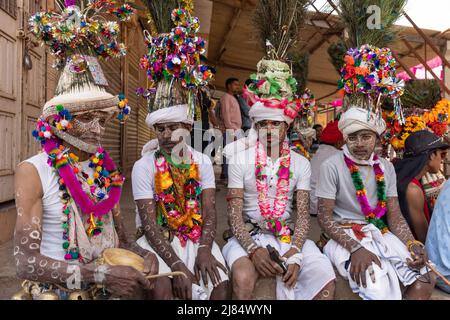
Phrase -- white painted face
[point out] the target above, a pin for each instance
(89, 127)
(361, 144)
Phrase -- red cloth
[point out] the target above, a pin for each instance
(331, 133)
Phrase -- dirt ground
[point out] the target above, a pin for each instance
(265, 288)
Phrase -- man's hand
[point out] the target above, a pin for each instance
(182, 286)
(151, 266)
(362, 259)
(206, 264)
(125, 282)
(291, 276)
(264, 265)
(419, 256)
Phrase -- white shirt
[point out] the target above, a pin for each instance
(324, 152)
(335, 182)
(143, 175)
(52, 231)
(241, 175)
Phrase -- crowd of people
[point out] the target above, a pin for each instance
(380, 233)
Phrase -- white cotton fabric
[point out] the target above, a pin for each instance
(315, 273)
(241, 175)
(356, 119)
(259, 112)
(143, 175)
(188, 255)
(177, 113)
(323, 153)
(392, 254)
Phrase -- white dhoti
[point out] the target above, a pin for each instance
(392, 254)
(188, 255)
(315, 272)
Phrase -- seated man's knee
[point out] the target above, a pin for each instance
(244, 277)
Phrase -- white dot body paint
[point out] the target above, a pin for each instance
(40, 271)
(35, 235)
(20, 211)
(24, 240)
(56, 265)
(35, 220)
(43, 263)
(55, 275)
(31, 260)
(30, 269)
(27, 227)
(34, 246)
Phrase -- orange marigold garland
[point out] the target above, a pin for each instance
(178, 194)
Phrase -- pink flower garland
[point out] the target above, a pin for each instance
(273, 219)
(80, 197)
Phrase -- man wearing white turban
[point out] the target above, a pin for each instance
(263, 177)
(174, 187)
(371, 244)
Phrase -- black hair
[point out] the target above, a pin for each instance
(248, 82)
(230, 81)
(317, 126)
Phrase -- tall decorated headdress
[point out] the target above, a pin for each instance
(365, 63)
(174, 69)
(78, 38)
(273, 92)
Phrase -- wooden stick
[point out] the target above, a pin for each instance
(168, 274)
(438, 273)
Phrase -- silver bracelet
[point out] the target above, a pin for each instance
(178, 261)
(204, 246)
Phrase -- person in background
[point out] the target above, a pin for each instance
(331, 143)
(438, 237)
(424, 152)
(246, 121)
(315, 144)
(231, 114)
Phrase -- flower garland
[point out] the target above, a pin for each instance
(73, 29)
(437, 119)
(302, 150)
(178, 193)
(373, 215)
(103, 188)
(273, 220)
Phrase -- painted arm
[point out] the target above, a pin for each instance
(125, 242)
(235, 199)
(396, 221)
(303, 223)
(331, 227)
